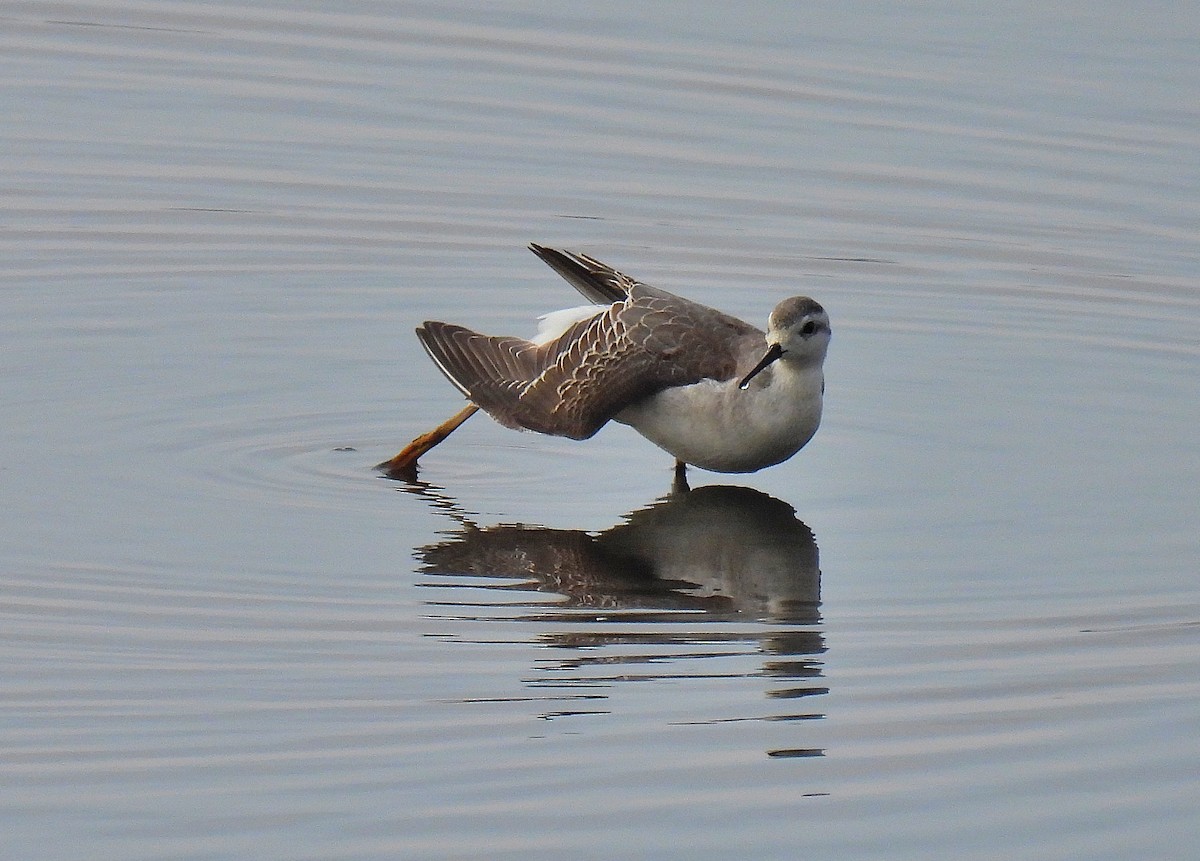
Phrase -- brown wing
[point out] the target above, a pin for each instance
(573, 385)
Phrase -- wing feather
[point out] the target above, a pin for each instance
(647, 341)
(597, 281)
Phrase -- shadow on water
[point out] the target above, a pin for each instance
(679, 589)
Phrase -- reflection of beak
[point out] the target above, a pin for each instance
(772, 354)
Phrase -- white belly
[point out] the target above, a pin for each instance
(718, 427)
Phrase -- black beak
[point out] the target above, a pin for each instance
(772, 354)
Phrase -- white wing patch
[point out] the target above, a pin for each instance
(551, 326)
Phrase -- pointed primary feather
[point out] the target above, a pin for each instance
(597, 281)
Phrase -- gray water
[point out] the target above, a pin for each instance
(963, 623)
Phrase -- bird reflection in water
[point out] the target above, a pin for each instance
(714, 572)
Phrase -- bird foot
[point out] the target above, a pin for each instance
(404, 465)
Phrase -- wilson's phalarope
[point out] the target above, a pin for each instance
(713, 391)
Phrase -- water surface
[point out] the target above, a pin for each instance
(963, 623)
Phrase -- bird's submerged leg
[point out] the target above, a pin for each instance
(680, 483)
(404, 464)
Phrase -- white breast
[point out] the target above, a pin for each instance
(718, 427)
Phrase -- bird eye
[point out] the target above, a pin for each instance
(808, 328)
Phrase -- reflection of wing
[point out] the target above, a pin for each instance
(717, 549)
(646, 341)
(564, 561)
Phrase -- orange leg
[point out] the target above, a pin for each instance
(404, 465)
